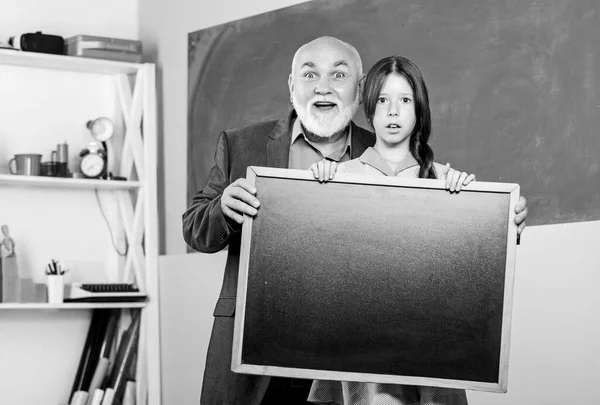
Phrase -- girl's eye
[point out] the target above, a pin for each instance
(339, 75)
(381, 100)
(406, 100)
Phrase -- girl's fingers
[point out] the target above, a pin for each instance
(470, 178)
(447, 172)
(332, 170)
(321, 167)
(455, 180)
(326, 169)
(461, 179)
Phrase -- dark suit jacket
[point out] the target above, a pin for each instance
(206, 230)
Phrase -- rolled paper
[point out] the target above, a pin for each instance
(129, 396)
(91, 350)
(79, 398)
(97, 397)
(97, 379)
(125, 355)
(108, 396)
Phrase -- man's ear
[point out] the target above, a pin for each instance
(361, 86)
(291, 86)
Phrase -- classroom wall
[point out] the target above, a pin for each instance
(42, 348)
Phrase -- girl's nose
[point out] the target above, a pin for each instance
(393, 110)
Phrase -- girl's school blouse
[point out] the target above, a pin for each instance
(359, 393)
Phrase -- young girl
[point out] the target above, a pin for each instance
(397, 107)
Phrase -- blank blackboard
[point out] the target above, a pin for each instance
(376, 279)
(514, 85)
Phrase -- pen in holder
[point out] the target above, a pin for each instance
(55, 282)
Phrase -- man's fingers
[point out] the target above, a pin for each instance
(228, 212)
(245, 184)
(238, 193)
(520, 228)
(521, 205)
(520, 217)
(241, 207)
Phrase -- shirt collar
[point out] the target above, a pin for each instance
(297, 131)
(372, 158)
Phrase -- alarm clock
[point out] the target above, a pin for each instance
(93, 162)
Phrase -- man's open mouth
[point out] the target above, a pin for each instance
(324, 105)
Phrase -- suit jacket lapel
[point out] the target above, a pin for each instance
(278, 144)
(360, 137)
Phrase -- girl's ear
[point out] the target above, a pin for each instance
(361, 87)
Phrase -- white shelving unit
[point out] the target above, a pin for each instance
(136, 212)
(73, 305)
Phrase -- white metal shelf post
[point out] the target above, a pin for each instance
(141, 221)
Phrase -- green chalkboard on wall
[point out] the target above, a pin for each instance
(514, 85)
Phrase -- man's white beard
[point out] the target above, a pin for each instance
(322, 124)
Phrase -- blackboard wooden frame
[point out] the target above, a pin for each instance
(508, 192)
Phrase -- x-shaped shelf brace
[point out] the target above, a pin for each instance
(132, 160)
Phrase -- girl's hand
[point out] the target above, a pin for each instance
(456, 179)
(324, 170)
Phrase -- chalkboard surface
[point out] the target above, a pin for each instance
(376, 279)
(514, 85)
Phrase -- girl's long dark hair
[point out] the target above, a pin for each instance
(419, 138)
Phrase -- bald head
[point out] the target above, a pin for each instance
(328, 44)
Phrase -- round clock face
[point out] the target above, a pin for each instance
(92, 165)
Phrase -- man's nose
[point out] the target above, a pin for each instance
(323, 86)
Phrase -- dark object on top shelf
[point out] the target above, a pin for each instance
(38, 42)
(89, 46)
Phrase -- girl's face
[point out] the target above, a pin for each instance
(394, 118)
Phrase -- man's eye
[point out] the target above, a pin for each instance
(339, 75)
(309, 75)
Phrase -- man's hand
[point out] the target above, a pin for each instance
(456, 179)
(521, 211)
(238, 199)
(323, 170)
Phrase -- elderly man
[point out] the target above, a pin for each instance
(325, 89)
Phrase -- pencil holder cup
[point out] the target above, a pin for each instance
(56, 288)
